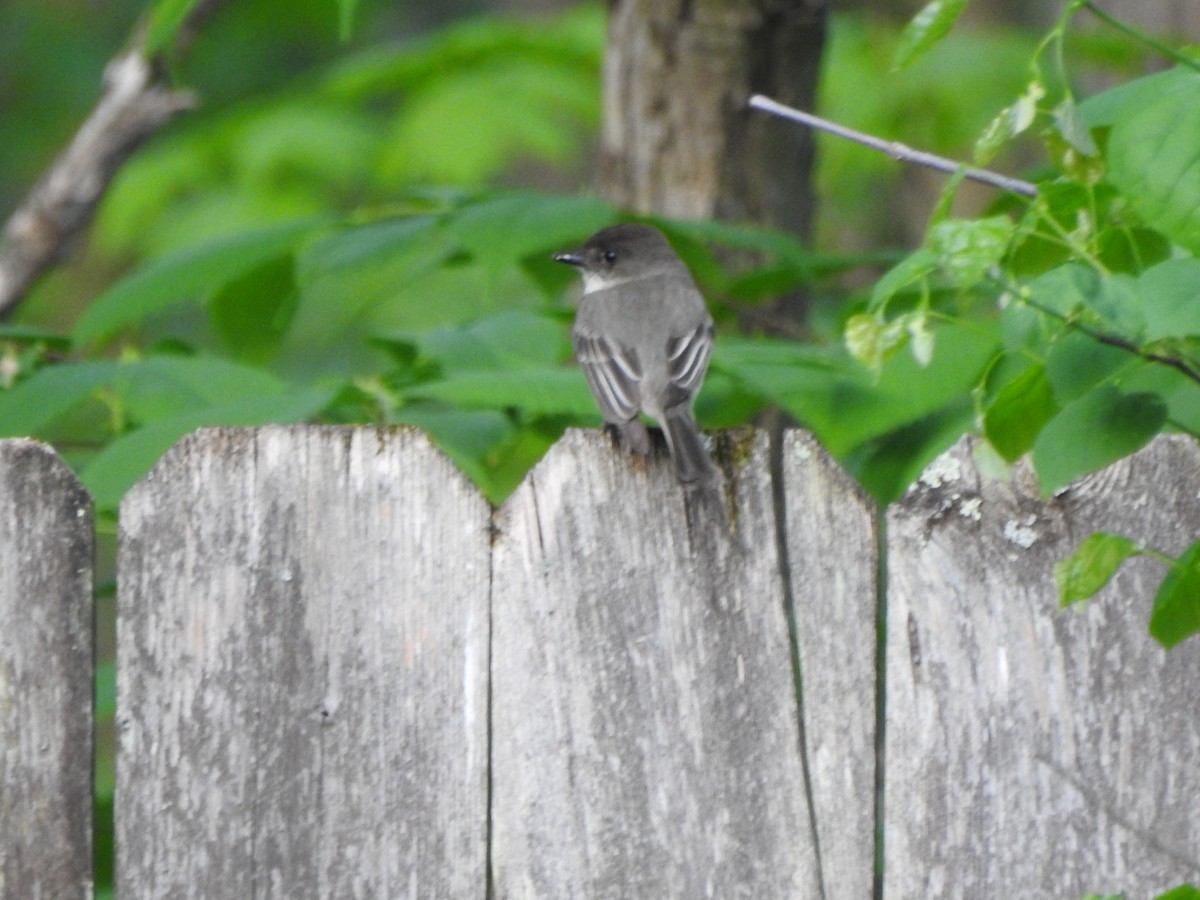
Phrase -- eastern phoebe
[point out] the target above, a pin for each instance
(644, 338)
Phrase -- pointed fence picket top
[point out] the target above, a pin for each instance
(1038, 752)
(46, 671)
(303, 659)
(645, 730)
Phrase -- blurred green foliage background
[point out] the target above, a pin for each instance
(359, 230)
(376, 192)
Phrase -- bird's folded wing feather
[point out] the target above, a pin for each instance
(614, 374)
(687, 361)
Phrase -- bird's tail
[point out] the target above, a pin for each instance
(692, 463)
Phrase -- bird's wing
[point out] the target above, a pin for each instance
(687, 361)
(614, 374)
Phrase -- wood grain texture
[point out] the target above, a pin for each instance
(1034, 751)
(302, 670)
(46, 660)
(833, 557)
(645, 736)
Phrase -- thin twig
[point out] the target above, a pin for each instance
(1129, 347)
(894, 149)
(1121, 343)
(136, 101)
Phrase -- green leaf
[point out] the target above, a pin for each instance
(1183, 892)
(1073, 129)
(1170, 299)
(887, 465)
(1092, 565)
(1133, 249)
(1024, 111)
(925, 29)
(1154, 158)
(363, 281)
(122, 463)
(725, 401)
(704, 246)
(346, 10)
(166, 18)
(366, 253)
(1079, 168)
(300, 143)
(864, 337)
(252, 312)
(1117, 305)
(1064, 289)
(1027, 329)
(966, 249)
(166, 386)
(34, 403)
(1078, 362)
(474, 119)
(1106, 108)
(1100, 428)
(1176, 613)
(184, 276)
(503, 230)
(778, 245)
(913, 269)
(1017, 415)
(847, 405)
(920, 338)
(106, 691)
(468, 437)
(539, 392)
(34, 335)
(576, 35)
(1179, 392)
(507, 341)
(1009, 122)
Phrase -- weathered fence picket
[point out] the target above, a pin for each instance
(833, 565)
(645, 737)
(302, 670)
(46, 671)
(341, 674)
(1049, 753)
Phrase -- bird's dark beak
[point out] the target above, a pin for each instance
(571, 259)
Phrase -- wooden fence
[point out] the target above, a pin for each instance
(341, 674)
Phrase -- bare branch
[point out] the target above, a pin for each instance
(48, 223)
(894, 149)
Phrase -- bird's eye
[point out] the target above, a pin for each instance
(610, 256)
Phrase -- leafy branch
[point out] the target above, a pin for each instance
(1108, 250)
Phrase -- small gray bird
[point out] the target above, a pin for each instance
(644, 338)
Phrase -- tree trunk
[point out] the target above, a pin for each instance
(677, 138)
